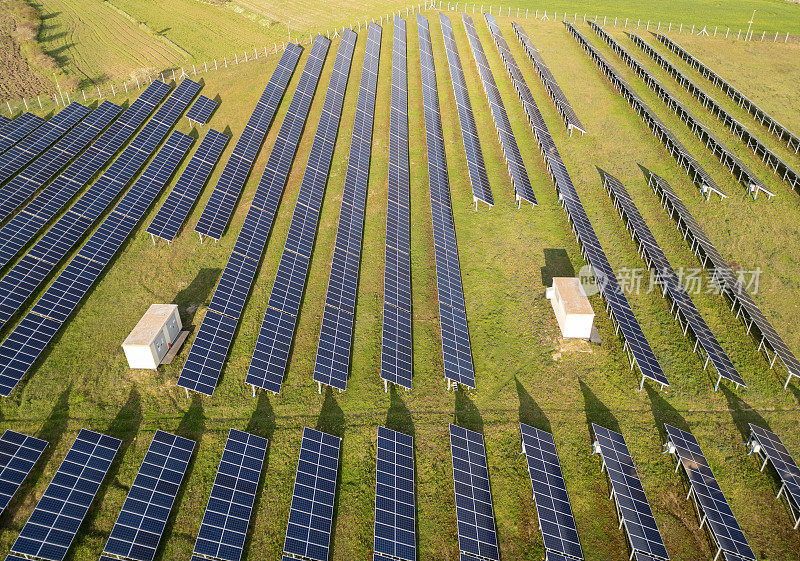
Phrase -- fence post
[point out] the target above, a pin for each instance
(10, 112)
(26, 103)
(726, 32)
(787, 37)
(715, 31)
(680, 29)
(739, 35)
(39, 99)
(762, 36)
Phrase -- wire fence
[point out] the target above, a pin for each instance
(58, 97)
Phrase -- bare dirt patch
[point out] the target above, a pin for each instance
(19, 79)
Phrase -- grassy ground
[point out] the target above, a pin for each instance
(524, 371)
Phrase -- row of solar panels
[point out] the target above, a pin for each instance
(727, 157)
(791, 139)
(760, 149)
(136, 535)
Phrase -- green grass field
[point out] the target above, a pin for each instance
(524, 370)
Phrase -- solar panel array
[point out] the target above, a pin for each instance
(481, 190)
(336, 334)
(456, 350)
(671, 283)
(18, 129)
(636, 345)
(550, 84)
(737, 167)
(172, 214)
(395, 530)
(477, 535)
(271, 353)
(678, 151)
(45, 167)
(725, 278)
(712, 506)
(396, 338)
(633, 509)
(3, 121)
(27, 274)
(57, 516)
(201, 110)
(791, 139)
(18, 156)
(144, 514)
(230, 505)
(18, 454)
(32, 335)
(229, 186)
(556, 521)
(208, 353)
(23, 227)
(770, 158)
(308, 533)
(508, 142)
(769, 446)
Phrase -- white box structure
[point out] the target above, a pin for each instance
(153, 336)
(573, 311)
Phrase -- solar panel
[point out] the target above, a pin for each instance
(738, 169)
(768, 446)
(336, 335)
(18, 454)
(780, 131)
(671, 283)
(725, 278)
(456, 349)
(396, 344)
(636, 345)
(141, 521)
(4, 121)
(271, 353)
(711, 504)
(210, 348)
(395, 530)
(684, 158)
(57, 516)
(479, 178)
(476, 529)
(18, 129)
(633, 509)
(202, 109)
(556, 521)
(227, 516)
(21, 349)
(172, 214)
(508, 142)
(308, 532)
(229, 186)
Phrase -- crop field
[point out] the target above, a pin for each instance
(524, 370)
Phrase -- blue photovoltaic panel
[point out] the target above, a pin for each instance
(481, 190)
(172, 214)
(666, 276)
(511, 153)
(711, 503)
(395, 530)
(308, 532)
(336, 335)
(218, 210)
(26, 342)
(201, 110)
(18, 454)
(57, 517)
(4, 121)
(456, 349)
(556, 521)
(632, 506)
(227, 516)
(144, 515)
(396, 339)
(769, 446)
(18, 129)
(33, 145)
(271, 352)
(45, 167)
(474, 511)
(640, 351)
(210, 348)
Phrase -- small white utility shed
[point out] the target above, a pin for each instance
(153, 336)
(573, 311)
